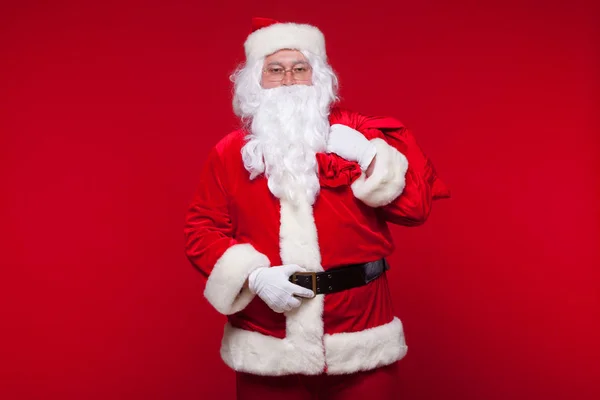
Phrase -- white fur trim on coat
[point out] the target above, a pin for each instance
(302, 349)
(300, 352)
(225, 286)
(345, 353)
(305, 349)
(387, 181)
(272, 38)
(365, 350)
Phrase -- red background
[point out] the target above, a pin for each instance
(108, 109)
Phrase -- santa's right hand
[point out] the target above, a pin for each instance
(272, 285)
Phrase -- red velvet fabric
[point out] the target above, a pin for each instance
(379, 384)
(259, 22)
(228, 208)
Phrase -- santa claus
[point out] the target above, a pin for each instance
(289, 224)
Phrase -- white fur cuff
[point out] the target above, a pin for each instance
(387, 181)
(225, 287)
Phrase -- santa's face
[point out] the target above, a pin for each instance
(285, 102)
(284, 68)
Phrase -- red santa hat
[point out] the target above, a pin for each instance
(269, 36)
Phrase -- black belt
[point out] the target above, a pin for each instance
(340, 278)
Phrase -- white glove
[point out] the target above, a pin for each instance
(272, 285)
(351, 145)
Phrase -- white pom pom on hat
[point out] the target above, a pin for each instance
(269, 36)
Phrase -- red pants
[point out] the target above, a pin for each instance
(380, 384)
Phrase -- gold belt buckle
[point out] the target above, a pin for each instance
(312, 274)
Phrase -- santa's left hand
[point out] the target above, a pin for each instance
(351, 145)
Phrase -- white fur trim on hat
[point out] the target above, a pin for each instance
(268, 40)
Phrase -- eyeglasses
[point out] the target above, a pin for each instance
(276, 73)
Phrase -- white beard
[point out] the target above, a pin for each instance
(288, 128)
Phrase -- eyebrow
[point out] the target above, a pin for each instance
(295, 62)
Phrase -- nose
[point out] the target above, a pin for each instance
(288, 79)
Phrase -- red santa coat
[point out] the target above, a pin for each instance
(235, 225)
